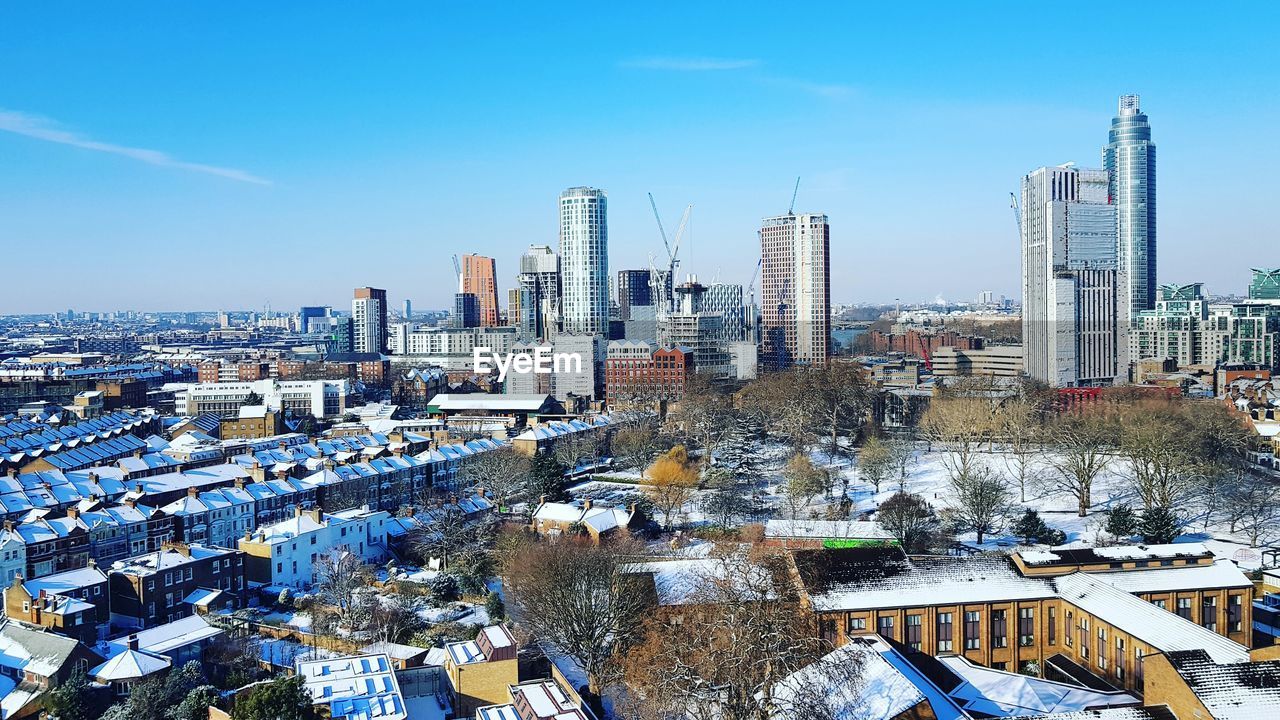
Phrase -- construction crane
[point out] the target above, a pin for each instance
(751, 293)
(1017, 212)
(667, 289)
(457, 270)
(792, 209)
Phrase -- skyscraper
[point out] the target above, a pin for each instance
(1070, 284)
(584, 261)
(795, 286)
(369, 320)
(1130, 162)
(407, 311)
(480, 278)
(538, 314)
(633, 291)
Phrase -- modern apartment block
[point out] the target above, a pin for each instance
(369, 320)
(633, 290)
(1072, 333)
(584, 261)
(795, 286)
(1130, 163)
(321, 398)
(480, 278)
(538, 311)
(1188, 329)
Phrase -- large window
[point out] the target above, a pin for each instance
(1102, 648)
(1069, 627)
(1209, 612)
(1084, 638)
(972, 630)
(999, 628)
(1119, 658)
(885, 626)
(1184, 608)
(857, 624)
(1052, 626)
(1026, 627)
(914, 627)
(1235, 613)
(944, 632)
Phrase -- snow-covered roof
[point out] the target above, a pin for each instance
(130, 665)
(824, 529)
(396, 651)
(1158, 628)
(1221, 574)
(867, 578)
(1116, 553)
(855, 682)
(995, 693)
(684, 582)
(545, 699)
(66, 582)
(361, 687)
(453, 402)
(163, 639)
(464, 653)
(35, 651)
(1234, 691)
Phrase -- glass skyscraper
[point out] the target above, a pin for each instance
(1130, 162)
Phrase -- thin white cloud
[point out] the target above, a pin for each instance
(34, 126)
(690, 64)
(826, 90)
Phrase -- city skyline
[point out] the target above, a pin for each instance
(399, 149)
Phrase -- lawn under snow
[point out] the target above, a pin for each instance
(928, 478)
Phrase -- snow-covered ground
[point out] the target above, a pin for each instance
(928, 478)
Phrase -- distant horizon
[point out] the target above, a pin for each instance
(256, 164)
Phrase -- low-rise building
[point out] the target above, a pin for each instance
(32, 662)
(991, 360)
(287, 553)
(251, 422)
(175, 582)
(74, 603)
(597, 521)
(481, 671)
(643, 374)
(359, 687)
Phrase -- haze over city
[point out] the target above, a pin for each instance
(306, 151)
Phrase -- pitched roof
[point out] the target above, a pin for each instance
(1233, 691)
(130, 665)
(1158, 628)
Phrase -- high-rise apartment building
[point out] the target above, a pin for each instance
(369, 320)
(538, 311)
(584, 261)
(1071, 334)
(466, 311)
(1130, 161)
(407, 311)
(1265, 284)
(480, 278)
(795, 287)
(633, 291)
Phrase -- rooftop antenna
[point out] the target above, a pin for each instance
(792, 209)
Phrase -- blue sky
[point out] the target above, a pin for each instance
(225, 155)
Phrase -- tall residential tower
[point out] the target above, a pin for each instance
(369, 321)
(1130, 161)
(795, 286)
(584, 261)
(480, 278)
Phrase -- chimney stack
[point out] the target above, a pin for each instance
(586, 504)
(133, 642)
(193, 492)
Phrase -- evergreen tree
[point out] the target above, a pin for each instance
(1122, 521)
(252, 398)
(494, 607)
(1159, 525)
(74, 699)
(284, 698)
(1032, 529)
(546, 477)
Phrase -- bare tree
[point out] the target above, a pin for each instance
(839, 401)
(1084, 441)
(503, 472)
(1020, 424)
(875, 462)
(980, 502)
(910, 520)
(1252, 506)
(571, 450)
(1160, 455)
(902, 455)
(725, 655)
(804, 483)
(960, 425)
(446, 533)
(637, 446)
(339, 575)
(706, 413)
(571, 595)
